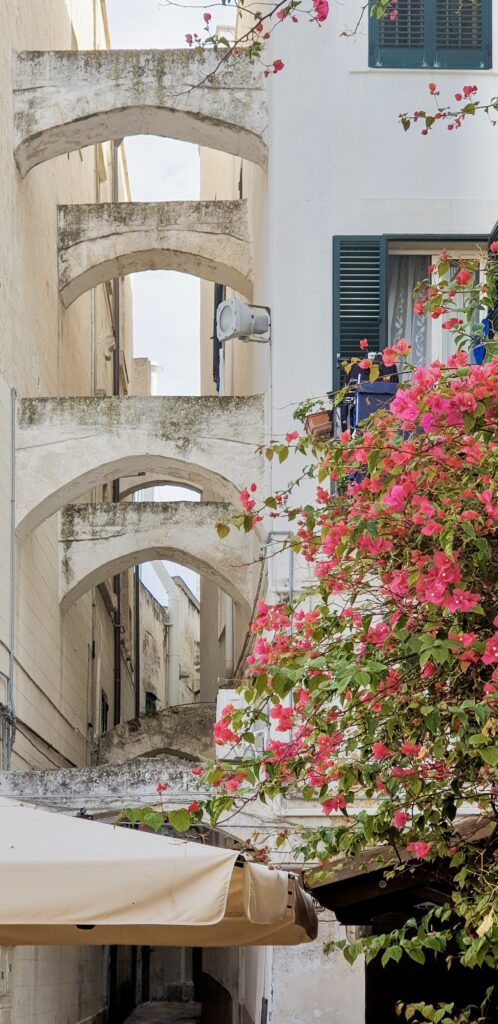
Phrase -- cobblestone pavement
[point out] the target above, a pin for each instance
(166, 1013)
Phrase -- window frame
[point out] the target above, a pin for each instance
(392, 245)
(429, 57)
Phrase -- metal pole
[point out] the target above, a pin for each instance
(136, 581)
(115, 485)
(9, 719)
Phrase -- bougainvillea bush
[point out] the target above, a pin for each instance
(381, 681)
(386, 692)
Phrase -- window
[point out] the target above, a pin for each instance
(433, 34)
(373, 283)
(104, 712)
(151, 699)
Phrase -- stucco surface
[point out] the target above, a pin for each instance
(97, 243)
(66, 101)
(67, 446)
(105, 788)
(97, 541)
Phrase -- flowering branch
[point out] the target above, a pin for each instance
(467, 105)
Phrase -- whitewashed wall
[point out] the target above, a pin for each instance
(339, 163)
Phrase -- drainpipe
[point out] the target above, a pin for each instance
(8, 716)
(229, 644)
(173, 647)
(115, 485)
(173, 694)
(136, 589)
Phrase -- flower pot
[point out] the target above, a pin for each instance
(320, 425)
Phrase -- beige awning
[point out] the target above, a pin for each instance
(70, 881)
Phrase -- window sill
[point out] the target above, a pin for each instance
(479, 73)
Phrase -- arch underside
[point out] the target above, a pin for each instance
(98, 541)
(153, 553)
(140, 119)
(174, 471)
(183, 262)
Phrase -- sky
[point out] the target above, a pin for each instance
(166, 304)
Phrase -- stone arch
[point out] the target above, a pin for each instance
(67, 100)
(99, 242)
(98, 541)
(67, 446)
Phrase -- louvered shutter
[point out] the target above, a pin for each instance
(400, 43)
(359, 297)
(462, 34)
(433, 34)
(493, 300)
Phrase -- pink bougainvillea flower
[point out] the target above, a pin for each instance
(292, 436)
(336, 803)
(278, 65)
(379, 751)
(400, 819)
(207, 17)
(410, 748)
(246, 501)
(364, 344)
(490, 655)
(463, 277)
(189, 38)
(420, 849)
(194, 807)
(321, 8)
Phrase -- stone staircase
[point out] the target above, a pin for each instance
(166, 1013)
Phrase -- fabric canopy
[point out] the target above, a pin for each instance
(71, 881)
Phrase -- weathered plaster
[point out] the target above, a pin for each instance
(67, 446)
(68, 100)
(99, 541)
(104, 788)
(185, 731)
(99, 242)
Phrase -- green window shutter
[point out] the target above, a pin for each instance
(359, 297)
(462, 34)
(399, 43)
(433, 34)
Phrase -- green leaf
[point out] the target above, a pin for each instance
(374, 373)
(222, 530)
(154, 819)
(490, 756)
(179, 820)
(134, 814)
(417, 955)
